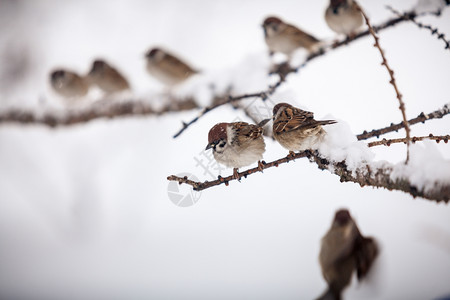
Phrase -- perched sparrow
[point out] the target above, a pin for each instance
(344, 250)
(286, 38)
(296, 129)
(68, 84)
(167, 68)
(237, 144)
(343, 17)
(107, 78)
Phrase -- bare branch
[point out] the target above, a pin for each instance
(54, 119)
(421, 118)
(414, 139)
(367, 175)
(392, 81)
(433, 31)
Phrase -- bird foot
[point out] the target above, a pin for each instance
(260, 166)
(291, 155)
(236, 174)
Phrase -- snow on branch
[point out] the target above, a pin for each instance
(382, 175)
(391, 74)
(421, 118)
(414, 139)
(71, 117)
(433, 31)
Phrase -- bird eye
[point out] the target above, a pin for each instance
(222, 144)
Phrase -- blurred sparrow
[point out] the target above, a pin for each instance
(167, 68)
(68, 84)
(107, 78)
(343, 17)
(237, 144)
(286, 38)
(344, 250)
(296, 129)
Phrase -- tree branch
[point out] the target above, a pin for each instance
(421, 118)
(283, 70)
(53, 119)
(414, 139)
(391, 74)
(366, 175)
(433, 31)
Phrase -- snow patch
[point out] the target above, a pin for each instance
(426, 169)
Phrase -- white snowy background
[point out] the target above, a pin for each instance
(85, 211)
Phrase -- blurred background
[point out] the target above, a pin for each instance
(86, 211)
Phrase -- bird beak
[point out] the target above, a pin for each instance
(209, 146)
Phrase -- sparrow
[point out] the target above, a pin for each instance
(343, 17)
(68, 84)
(167, 68)
(237, 144)
(343, 251)
(296, 129)
(107, 78)
(286, 38)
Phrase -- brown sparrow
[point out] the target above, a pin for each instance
(343, 17)
(107, 78)
(167, 68)
(286, 38)
(68, 84)
(296, 129)
(344, 250)
(237, 144)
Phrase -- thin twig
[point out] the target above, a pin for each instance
(391, 74)
(414, 139)
(434, 31)
(421, 118)
(366, 175)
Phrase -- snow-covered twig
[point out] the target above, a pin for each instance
(422, 118)
(54, 119)
(434, 31)
(366, 175)
(391, 74)
(414, 139)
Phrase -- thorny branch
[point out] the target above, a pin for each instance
(364, 176)
(284, 69)
(434, 31)
(421, 118)
(414, 139)
(391, 74)
(53, 119)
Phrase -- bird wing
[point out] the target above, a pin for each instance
(300, 34)
(246, 132)
(292, 118)
(175, 65)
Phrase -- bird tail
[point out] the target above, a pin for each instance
(366, 250)
(329, 295)
(263, 122)
(326, 122)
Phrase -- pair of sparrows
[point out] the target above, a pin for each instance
(69, 84)
(344, 250)
(240, 144)
(342, 16)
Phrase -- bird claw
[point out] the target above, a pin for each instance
(260, 166)
(291, 155)
(236, 174)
